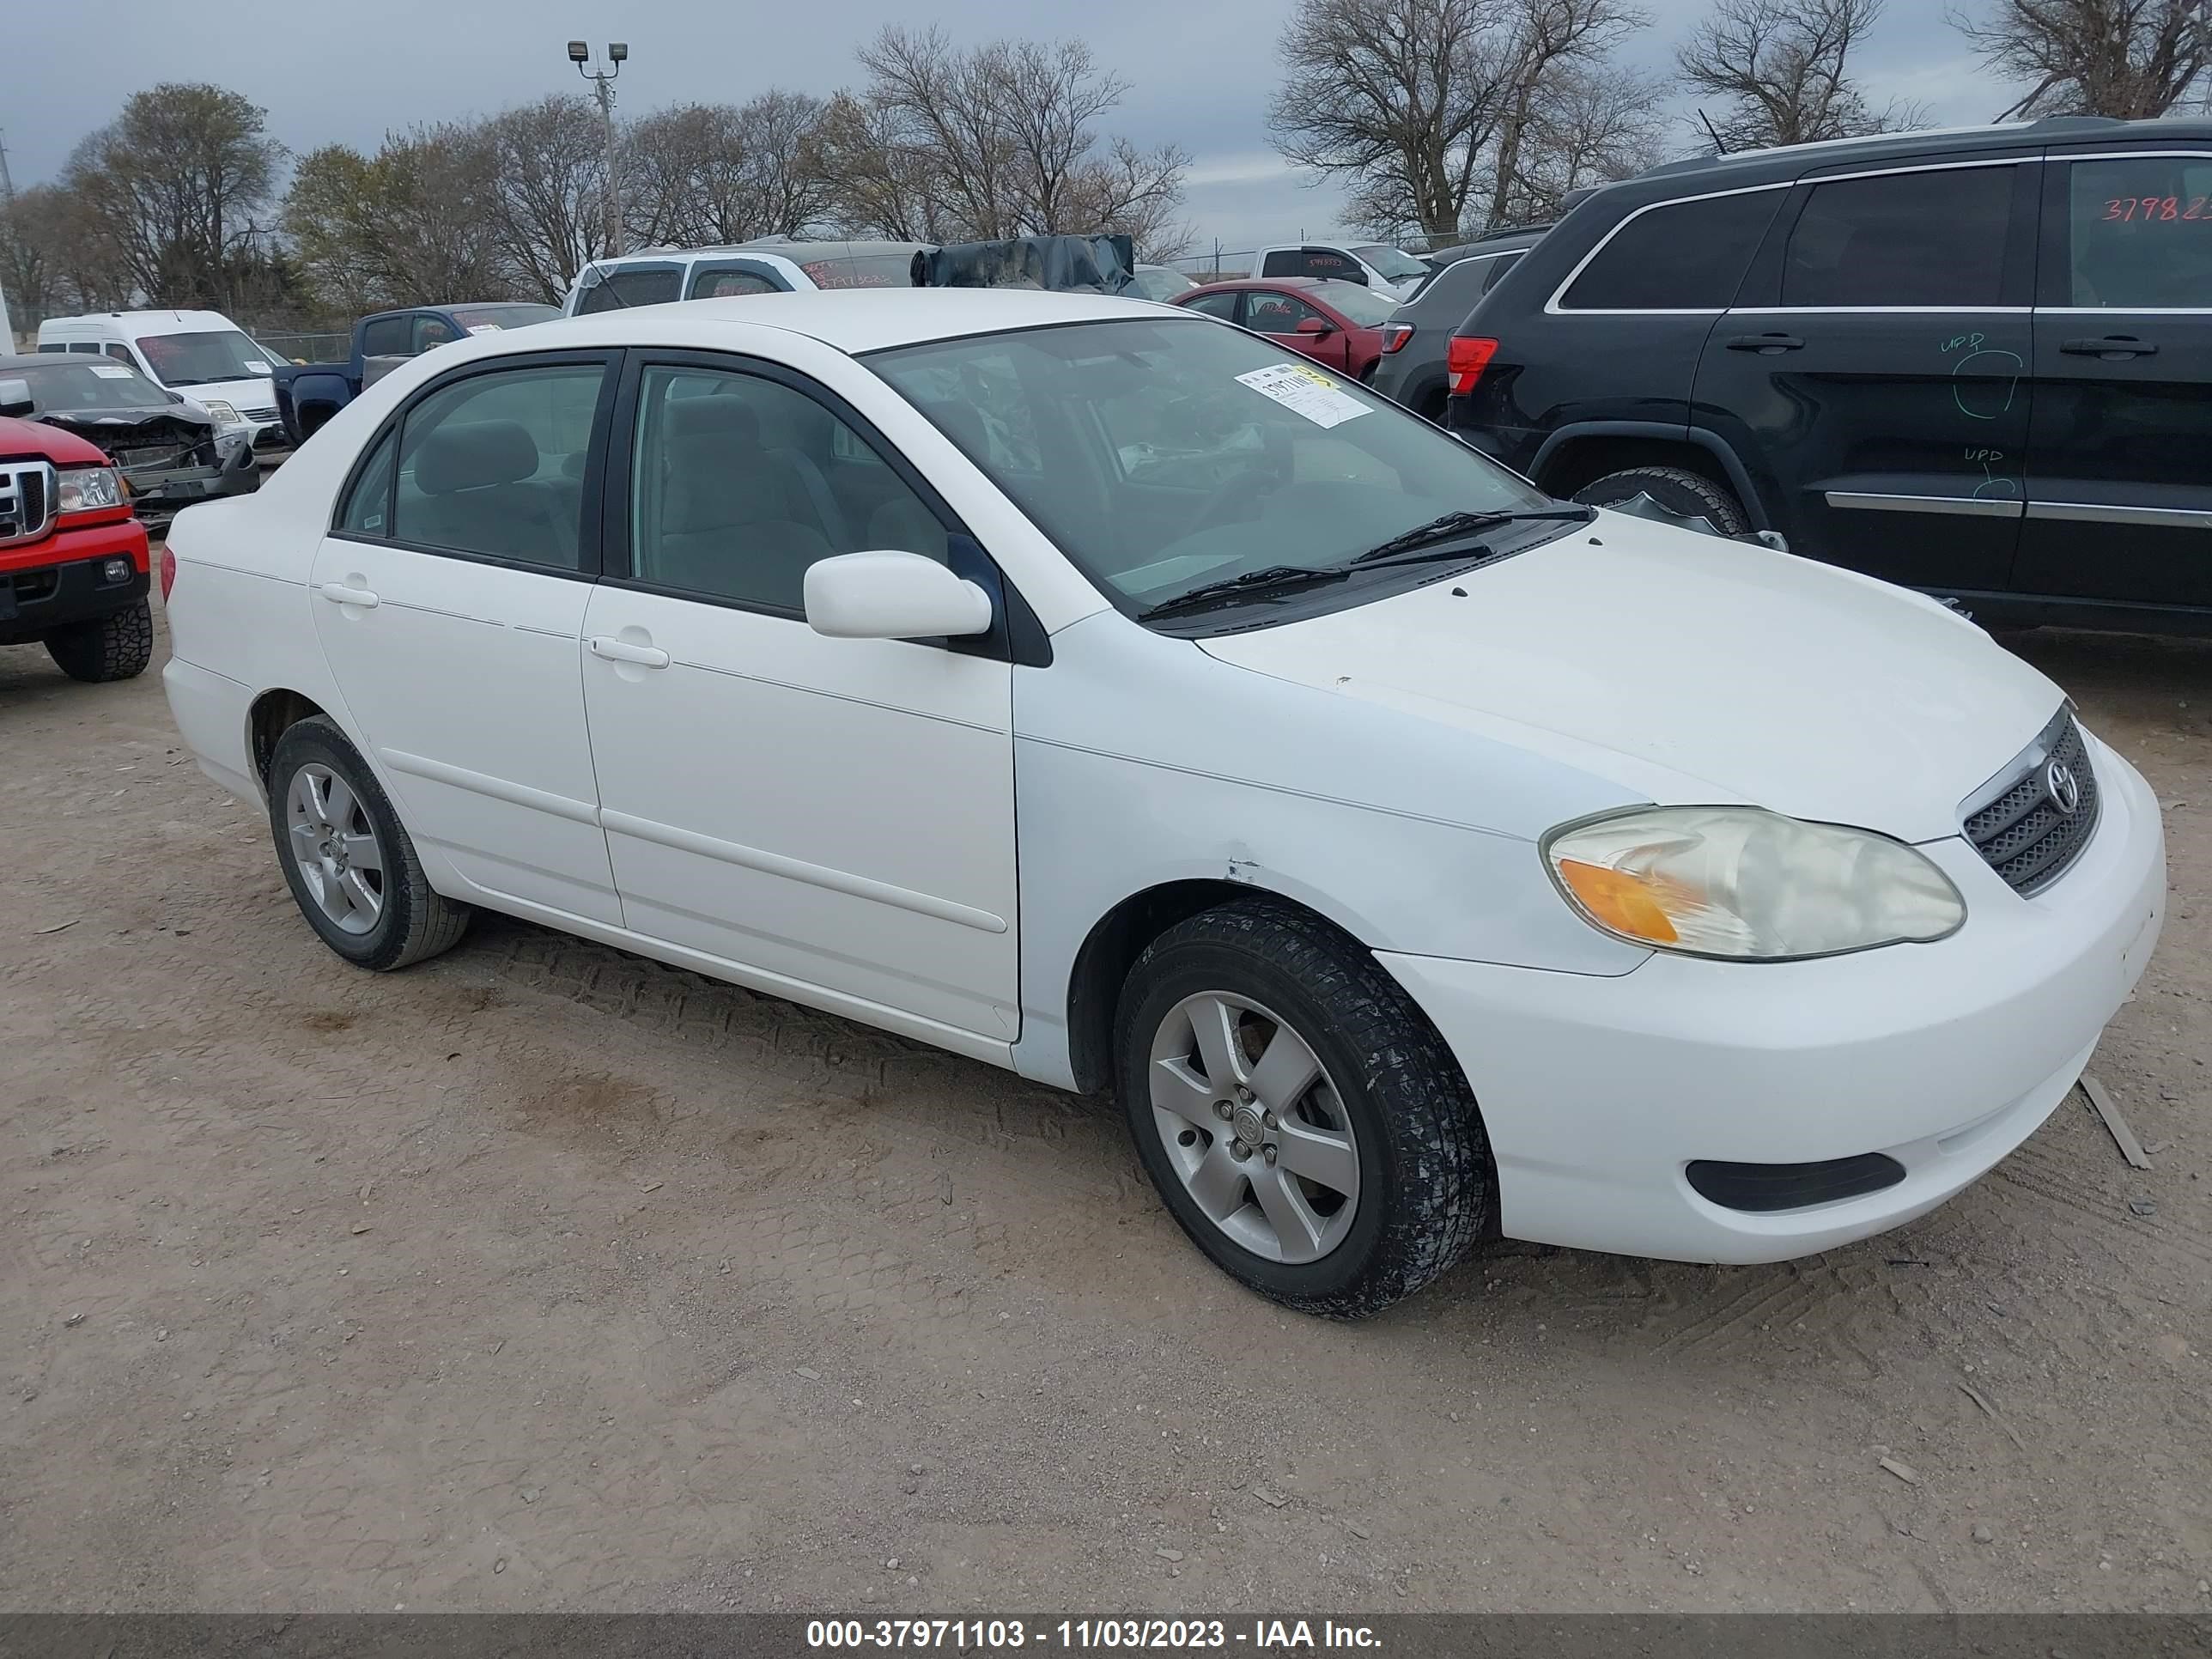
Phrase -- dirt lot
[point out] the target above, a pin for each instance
(543, 1277)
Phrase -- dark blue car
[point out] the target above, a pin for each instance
(309, 394)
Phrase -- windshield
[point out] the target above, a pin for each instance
(88, 385)
(1394, 262)
(1161, 282)
(1165, 455)
(1363, 306)
(862, 270)
(200, 359)
(474, 318)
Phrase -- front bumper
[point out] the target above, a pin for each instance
(70, 584)
(159, 495)
(1598, 1093)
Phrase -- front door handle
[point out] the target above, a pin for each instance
(2113, 348)
(339, 594)
(639, 656)
(1766, 342)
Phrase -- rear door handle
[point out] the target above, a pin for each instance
(339, 594)
(2112, 346)
(1766, 342)
(642, 656)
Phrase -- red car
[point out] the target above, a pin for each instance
(1339, 324)
(73, 568)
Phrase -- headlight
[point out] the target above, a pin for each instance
(87, 489)
(1739, 882)
(226, 414)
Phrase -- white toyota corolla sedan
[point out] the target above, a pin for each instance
(1089, 690)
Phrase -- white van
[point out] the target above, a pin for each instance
(774, 264)
(201, 354)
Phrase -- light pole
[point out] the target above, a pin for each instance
(602, 87)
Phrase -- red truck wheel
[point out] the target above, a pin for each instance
(116, 646)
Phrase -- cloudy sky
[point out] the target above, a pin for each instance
(1200, 71)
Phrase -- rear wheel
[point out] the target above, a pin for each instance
(1685, 494)
(115, 646)
(1304, 1123)
(347, 860)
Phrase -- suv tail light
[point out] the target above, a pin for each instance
(168, 572)
(1395, 335)
(1465, 359)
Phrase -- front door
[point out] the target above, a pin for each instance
(1281, 316)
(449, 600)
(1879, 357)
(833, 814)
(2120, 459)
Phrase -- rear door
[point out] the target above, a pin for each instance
(2120, 453)
(1875, 365)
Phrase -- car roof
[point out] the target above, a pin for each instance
(1503, 241)
(180, 322)
(853, 320)
(1748, 165)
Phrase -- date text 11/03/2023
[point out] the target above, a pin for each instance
(1010, 1635)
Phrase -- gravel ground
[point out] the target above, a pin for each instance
(543, 1277)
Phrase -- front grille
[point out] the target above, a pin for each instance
(27, 500)
(2029, 833)
(258, 414)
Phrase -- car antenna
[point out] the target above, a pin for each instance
(1719, 146)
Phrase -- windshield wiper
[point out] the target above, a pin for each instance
(1275, 577)
(1453, 526)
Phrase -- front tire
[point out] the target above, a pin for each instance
(347, 860)
(1304, 1123)
(1691, 495)
(115, 646)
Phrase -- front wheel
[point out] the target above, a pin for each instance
(1304, 1123)
(115, 646)
(347, 860)
(1676, 490)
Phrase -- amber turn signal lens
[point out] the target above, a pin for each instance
(1619, 901)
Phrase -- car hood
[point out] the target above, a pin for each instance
(133, 429)
(1691, 669)
(241, 395)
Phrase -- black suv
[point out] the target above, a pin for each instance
(1978, 363)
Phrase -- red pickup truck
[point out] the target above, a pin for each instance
(73, 565)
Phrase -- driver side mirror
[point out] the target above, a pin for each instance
(16, 398)
(889, 595)
(1315, 325)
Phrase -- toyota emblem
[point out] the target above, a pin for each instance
(2064, 788)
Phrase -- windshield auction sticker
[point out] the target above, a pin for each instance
(1304, 391)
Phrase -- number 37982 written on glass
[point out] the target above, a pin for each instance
(2161, 207)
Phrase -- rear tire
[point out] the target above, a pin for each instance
(1675, 487)
(1365, 1096)
(346, 858)
(115, 646)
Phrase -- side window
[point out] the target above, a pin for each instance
(1684, 256)
(434, 331)
(122, 355)
(1904, 238)
(1498, 267)
(86, 349)
(494, 464)
(385, 336)
(2139, 231)
(737, 483)
(1223, 305)
(632, 285)
(1283, 261)
(368, 508)
(720, 281)
(1273, 312)
(54, 345)
(1331, 265)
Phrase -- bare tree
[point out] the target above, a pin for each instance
(943, 144)
(1590, 127)
(1427, 105)
(177, 184)
(704, 173)
(30, 266)
(547, 159)
(1779, 67)
(414, 225)
(2134, 59)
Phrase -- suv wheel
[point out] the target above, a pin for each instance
(347, 859)
(1680, 491)
(1304, 1124)
(116, 646)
